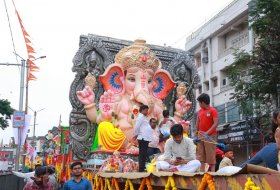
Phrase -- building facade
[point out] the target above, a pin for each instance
(212, 46)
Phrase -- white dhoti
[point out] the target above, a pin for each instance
(191, 166)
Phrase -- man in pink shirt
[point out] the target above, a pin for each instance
(40, 180)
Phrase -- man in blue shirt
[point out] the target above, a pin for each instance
(268, 155)
(77, 182)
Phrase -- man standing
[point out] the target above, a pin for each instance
(179, 153)
(207, 122)
(154, 144)
(77, 182)
(26, 176)
(40, 180)
(142, 132)
(228, 159)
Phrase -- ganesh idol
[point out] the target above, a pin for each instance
(134, 79)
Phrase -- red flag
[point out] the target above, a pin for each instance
(27, 40)
(31, 77)
(31, 57)
(30, 50)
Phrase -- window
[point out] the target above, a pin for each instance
(215, 82)
(206, 85)
(222, 115)
(198, 60)
(200, 89)
(226, 41)
(232, 112)
(224, 82)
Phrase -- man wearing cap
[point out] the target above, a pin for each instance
(228, 159)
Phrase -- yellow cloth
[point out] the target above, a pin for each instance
(110, 137)
(151, 167)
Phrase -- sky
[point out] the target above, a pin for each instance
(55, 27)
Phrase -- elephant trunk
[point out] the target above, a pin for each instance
(143, 96)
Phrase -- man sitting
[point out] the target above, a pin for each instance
(227, 160)
(268, 155)
(179, 153)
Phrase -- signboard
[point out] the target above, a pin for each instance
(19, 119)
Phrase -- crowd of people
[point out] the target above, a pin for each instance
(180, 153)
(44, 178)
(177, 151)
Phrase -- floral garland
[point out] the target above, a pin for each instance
(107, 184)
(170, 183)
(250, 185)
(100, 183)
(115, 184)
(95, 182)
(146, 181)
(207, 180)
(128, 184)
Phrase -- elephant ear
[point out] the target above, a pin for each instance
(163, 83)
(112, 79)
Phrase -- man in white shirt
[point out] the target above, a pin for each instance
(154, 144)
(142, 132)
(26, 176)
(179, 153)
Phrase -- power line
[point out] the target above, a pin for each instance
(11, 32)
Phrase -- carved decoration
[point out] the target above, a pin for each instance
(94, 55)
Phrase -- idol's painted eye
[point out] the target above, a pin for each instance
(131, 79)
(150, 81)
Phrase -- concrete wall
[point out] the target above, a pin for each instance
(11, 182)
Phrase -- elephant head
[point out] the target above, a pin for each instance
(136, 73)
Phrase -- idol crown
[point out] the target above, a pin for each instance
(138, 55)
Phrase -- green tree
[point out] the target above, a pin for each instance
(5, 113)
(255, 75)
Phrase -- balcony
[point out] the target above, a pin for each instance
(225, 88)
(236, 43)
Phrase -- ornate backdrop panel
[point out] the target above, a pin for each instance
(94, 55)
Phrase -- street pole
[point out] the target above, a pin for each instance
(26, 86)
(22, 65)
(27, 81)
(34, 127)
(21, 98)
(20, 109)
(35, 115)
(35, 118)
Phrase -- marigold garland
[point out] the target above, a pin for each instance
(207, 180)
(170, 183)
(146, 181)
(115, 184)
(100, 183)
(128, 184)
(107, 184)
(250, 185)
(95, 182)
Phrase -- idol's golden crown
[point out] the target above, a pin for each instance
(138, 55)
